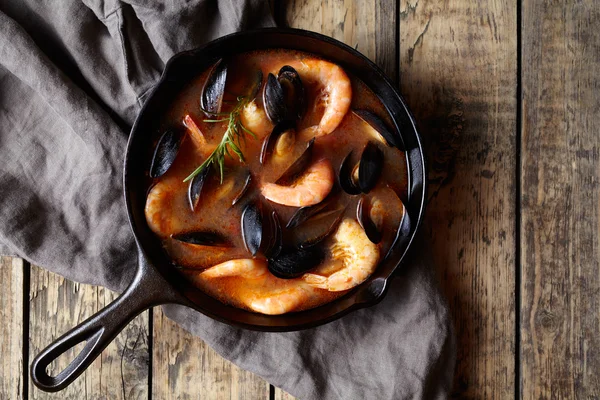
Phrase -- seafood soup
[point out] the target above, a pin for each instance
(278, 182)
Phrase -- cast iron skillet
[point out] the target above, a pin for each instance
(156, 282)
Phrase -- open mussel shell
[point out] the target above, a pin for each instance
(274, 100)
(270, 141)
(321, 227)
(371, 164)
(166, 151)
(293, 262)
(390, 137)
(247, 181)
(203, 238)
(284, 97)
(195, 187)
(305, 213)
(298, 167)
(211, 98)
(363, 215)
(275, 234)
(293, 91)
(256, 84)
(252, 227)
(345, 176)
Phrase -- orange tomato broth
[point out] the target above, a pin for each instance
(214, 211)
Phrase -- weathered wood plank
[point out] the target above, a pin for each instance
(369, 26)
(11, 328)
(184, 367)
(282, 395)
(458, 69)
(560, 202)
(57, 305)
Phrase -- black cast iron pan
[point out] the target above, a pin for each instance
(156, 282)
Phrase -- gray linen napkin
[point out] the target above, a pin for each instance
(73, 75)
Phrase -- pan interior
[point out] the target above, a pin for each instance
(180, 70)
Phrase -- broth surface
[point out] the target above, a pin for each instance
(214, 211)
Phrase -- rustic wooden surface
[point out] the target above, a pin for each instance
(57, 305)
(11, 328)
(560, 286)
(507, 97)
(458, 72)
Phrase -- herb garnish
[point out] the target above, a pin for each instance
(231, 139)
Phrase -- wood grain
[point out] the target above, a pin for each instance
(11, 328)
(560, 317)
(458, 69)
(57, 305)
(366, 25)
(184, 367)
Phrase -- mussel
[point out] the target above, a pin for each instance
(321, 226)
(203, 238)
(283, 96)
(271, 140)
(261, 230)
(371, 224)
(345, 177)
(252, 227)
(235, 185)
(363, 176)
(274, 246)
(371, 164)
(256, 84)
(380, 129)
(293, 262)
(383, 217)
(211, 98)
(195, 187)
(298, 167)
(304, 213)
(166, 152)
(247, 181)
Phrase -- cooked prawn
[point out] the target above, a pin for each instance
(257, 289)
(359, 257)
(311, 188)
(281, 302)
(159, 207)
(198, 138)
(336, 93)
(255, 120)
(246, 267)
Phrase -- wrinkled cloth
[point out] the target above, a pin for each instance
(73, 75)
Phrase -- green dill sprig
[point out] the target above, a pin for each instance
(229, 141)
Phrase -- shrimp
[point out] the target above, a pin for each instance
(359, 258)
(255, 120)
(160, 206)
(336, 92)
(281, 302)
(311, 188)
(257, 289)
(246, 267)
(195, 132)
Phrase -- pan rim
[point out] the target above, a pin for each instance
(417, 153)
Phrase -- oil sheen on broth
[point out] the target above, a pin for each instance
(345, 255)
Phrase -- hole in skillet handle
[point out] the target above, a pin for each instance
(148, 289)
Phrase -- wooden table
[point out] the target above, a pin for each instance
(507, 96)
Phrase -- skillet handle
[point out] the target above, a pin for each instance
(148, 289)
